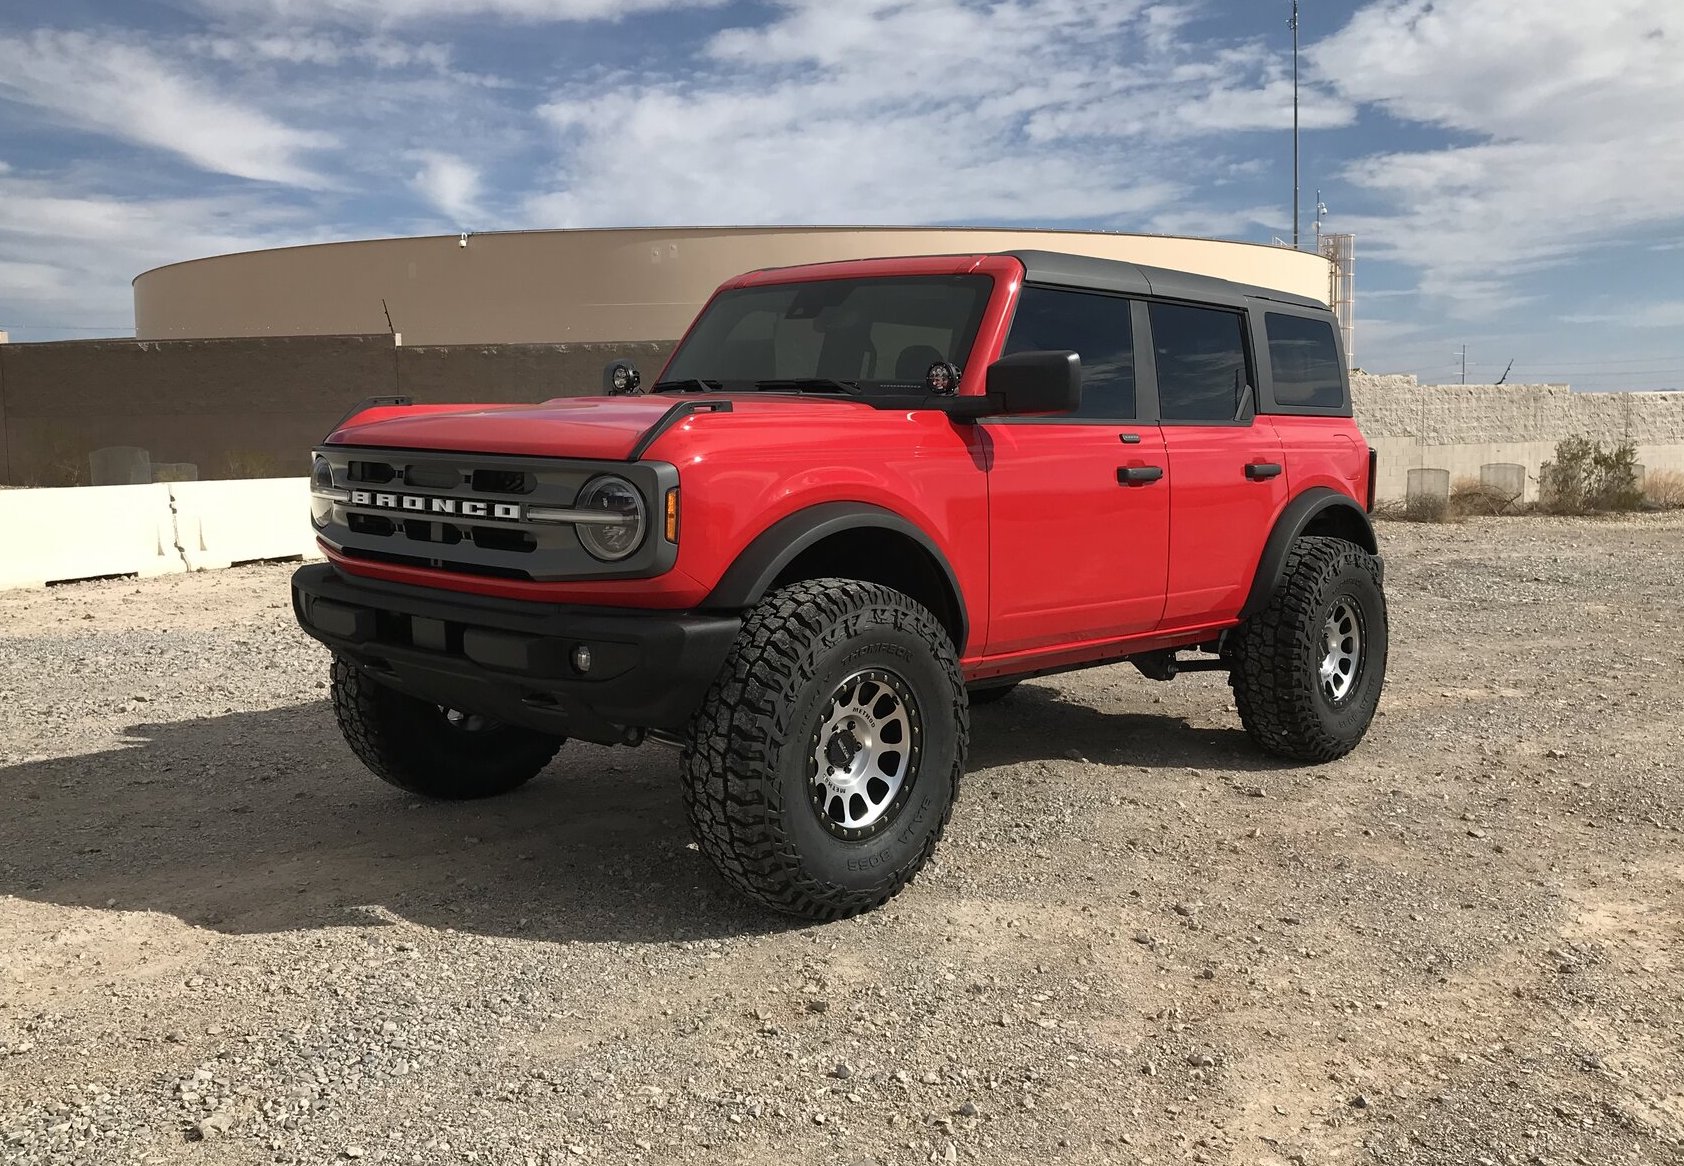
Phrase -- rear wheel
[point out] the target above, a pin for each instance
(823, 764)
(1308, 669)
(431, 750)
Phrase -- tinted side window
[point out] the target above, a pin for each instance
(1305, 361)
(1095, 327)
(1201, 362)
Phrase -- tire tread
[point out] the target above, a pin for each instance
(1275, 649)
(746, 715)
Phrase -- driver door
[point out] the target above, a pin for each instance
(1078, 502)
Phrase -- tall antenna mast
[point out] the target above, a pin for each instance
(1295, 218)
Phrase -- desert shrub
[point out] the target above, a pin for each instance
(1585, 477)
(55, 460)
(1470, 496)
(248, 463)
(1664, 489)
(1427, 508)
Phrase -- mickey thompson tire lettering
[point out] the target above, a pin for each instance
(746, 760)
(421, 748)
(1276, 655)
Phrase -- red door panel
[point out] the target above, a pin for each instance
(1076, 553)
(1220, 515)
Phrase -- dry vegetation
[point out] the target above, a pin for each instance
(1664, 489)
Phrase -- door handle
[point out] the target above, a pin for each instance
(1260, 471)
(1138, 475)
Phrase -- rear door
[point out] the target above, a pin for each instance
(1308, 400)
(1225, 462)
(1078, 503)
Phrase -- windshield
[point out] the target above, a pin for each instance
(869, 334)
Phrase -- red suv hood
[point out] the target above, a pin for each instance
(583, 427)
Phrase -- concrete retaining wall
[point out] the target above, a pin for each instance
(59, 535)
(251, 407)
(1461, 428)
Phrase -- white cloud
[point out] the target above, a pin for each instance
(70, 259)
(1667, 314)
(450, 184)
(318, 49)
(947, 110)
(127, 91)
(393, 12)
(1571, 111)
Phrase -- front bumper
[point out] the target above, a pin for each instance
(513, 660)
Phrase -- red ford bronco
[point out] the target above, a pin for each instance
(861, 498)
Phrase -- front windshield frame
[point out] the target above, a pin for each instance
(870, 335)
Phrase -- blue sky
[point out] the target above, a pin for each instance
(1511, 168)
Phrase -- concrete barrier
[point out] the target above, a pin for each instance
(89, 532)
(221, 523)
(86, 532)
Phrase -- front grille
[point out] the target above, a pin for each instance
(372, 473)
(418, 561)
(464, 513)
(502, 482)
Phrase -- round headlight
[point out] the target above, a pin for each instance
(621, 530)
(321, 475)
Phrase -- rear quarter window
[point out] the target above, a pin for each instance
(1305, 362)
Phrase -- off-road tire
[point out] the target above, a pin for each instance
(413, 745)
(1276, 655)
(991, 695)
(748, 755)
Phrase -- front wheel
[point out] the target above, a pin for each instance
(1308, 668)
(430, 750)
(824, 762)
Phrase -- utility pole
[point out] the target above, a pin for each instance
(1295, 124)
(1464, 364)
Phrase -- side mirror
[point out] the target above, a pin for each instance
(1036, 382)
(621, 378)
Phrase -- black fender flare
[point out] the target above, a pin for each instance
(1290, 526)
(747, 580)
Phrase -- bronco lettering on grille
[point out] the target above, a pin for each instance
(431, 504)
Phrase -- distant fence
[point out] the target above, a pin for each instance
(1466, 430)
(251, 407)
(159, 411)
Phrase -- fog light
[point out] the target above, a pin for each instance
(581, 659)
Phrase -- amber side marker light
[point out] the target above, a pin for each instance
(672, 515)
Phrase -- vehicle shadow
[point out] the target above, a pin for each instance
(1038, 722)
(265, 822)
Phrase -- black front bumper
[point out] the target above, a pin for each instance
(514, 661)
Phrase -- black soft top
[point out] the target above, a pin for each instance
(1114, 275)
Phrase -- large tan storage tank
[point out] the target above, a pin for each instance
(592, 285)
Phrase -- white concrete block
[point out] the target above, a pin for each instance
(220, 523)
(84, 532)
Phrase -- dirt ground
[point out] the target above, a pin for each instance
(222, 941)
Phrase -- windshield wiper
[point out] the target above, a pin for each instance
(809, 385)
(688, 385)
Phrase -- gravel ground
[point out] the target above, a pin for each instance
(222, 941)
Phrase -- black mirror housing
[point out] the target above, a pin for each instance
(1036, 382)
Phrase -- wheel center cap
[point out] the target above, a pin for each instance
(842, 749)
